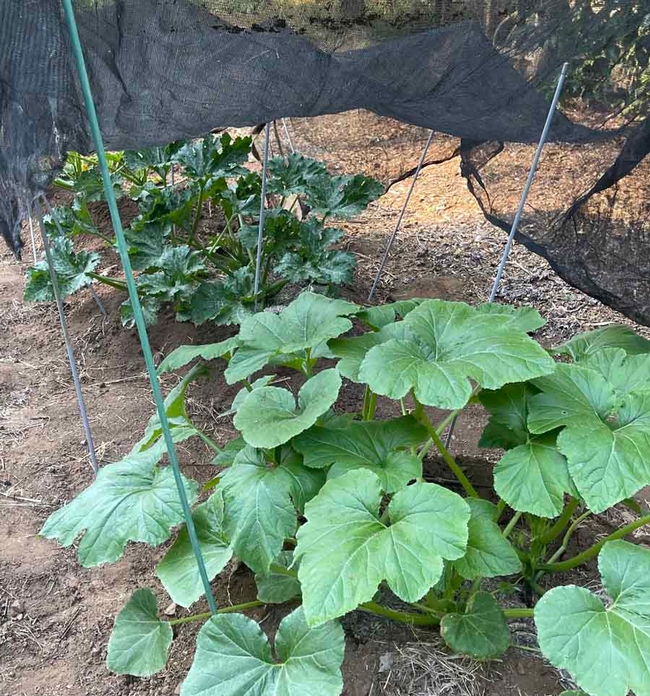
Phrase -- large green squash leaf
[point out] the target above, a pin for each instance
(352, 351)
(534, 477)
(178, 571)
(481, 631)
(614, 336)
(305, 324)
(71, 271)
(140, 641)
(449, 343)
(261, 503)
(345, 550)
(342, 196)
(606, 439)
(382, 315)
(378, 446)
(294, 173)
(233, 658)
(269, 416)
(488, 553)
(605, 649)
(572, 395)
(525, 319)
(625, 373)
(131, 500)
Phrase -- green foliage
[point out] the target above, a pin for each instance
(346, 550)
(332, 510)
(194, 242)
(140, 640)
(131, 500)
(234, 658)
(604, 648)
(481, 631)
(178, 571)
(71, 270)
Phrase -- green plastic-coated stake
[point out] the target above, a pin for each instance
(133, 293)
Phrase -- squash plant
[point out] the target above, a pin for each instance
(332, 511)
(206, 271)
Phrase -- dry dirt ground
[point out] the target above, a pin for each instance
(55, 617)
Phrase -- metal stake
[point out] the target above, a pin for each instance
(286, 132)
(400, 218)
(260, 229)
(147, 353)
(522, 203)
(68, 343)
(33, 236)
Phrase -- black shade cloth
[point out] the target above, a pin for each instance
(164, 70)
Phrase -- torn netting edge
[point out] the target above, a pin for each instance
(599, 244)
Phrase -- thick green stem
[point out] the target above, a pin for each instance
(512, 524)
(518, 613)
(208, 441)
(401, 616)
(225, 610)
(112, 282)
(449, 460)
(567, 537)
(440, 428)
(560, 525)
(587, 555)
(369, 405)
(197, 216)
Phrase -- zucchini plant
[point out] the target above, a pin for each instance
(194, 241)
(333, 512)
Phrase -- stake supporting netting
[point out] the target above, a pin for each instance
(520, 208)
(133, 294)
(66, 334)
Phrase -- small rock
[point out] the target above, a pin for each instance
(170, 610)
(386, 662)
(177, 690)
(17, 609)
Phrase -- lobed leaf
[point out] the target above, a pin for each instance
(488, 553)
(261, 504)
(377, 446)
(275, 587)
(345, 550)
(613, 336)
(446, 344)
(71, 271)
(605, 649)
(270, 417)
(233, 658)
(183, 355)
(131, 500)
(481, 631)
(306, 323)
(140, 641)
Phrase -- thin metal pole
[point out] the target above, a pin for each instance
(286, 132)
(522, 203)
(400, 218)
(68, 343)
(33, 236)
(529, 182)
(260, 229)
(138, 315)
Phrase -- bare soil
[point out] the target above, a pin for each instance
(55, 617)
